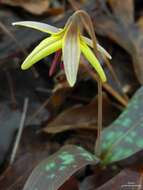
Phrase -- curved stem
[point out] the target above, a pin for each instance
(99, 122)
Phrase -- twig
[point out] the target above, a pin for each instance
(19, 134)
(10, 34)
(44, 104)
(11, 87)
(99, 120)
(115, 77)
(115, 94)
(107, 87)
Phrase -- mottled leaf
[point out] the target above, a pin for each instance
(58, 168)
(71, 52)
(124, 137)
(38, 26)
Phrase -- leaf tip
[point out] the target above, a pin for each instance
(13, 23)
(24, 66)
(71, 83)
(109, 56)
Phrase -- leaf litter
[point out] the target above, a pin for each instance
(117, 23)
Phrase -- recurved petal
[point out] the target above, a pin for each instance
(99, 47)
(93, 60)
(71, 52)
(38, 26)
(30, 60)
(45, 43)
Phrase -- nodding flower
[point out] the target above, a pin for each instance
(70, 42)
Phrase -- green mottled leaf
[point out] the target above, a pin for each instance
(58, 168)
(125, 136)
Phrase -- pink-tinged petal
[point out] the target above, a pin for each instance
(56, 60)
(62, 65)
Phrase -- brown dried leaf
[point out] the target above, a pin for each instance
(126, 179)
(71, 184)
(36, 7)
(34, 147)
(80, 116)
(74, 118)
(119, 26)
(124, 10)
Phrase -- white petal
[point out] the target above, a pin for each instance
(71, 53)
(38, 26)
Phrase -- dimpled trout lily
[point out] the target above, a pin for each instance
(72, 44)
